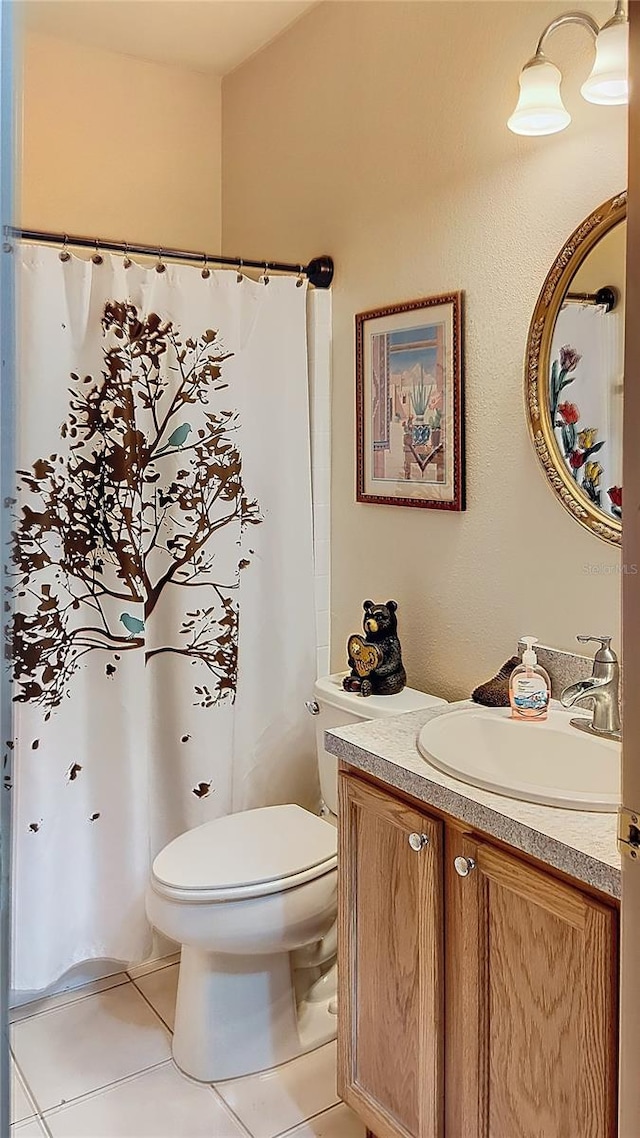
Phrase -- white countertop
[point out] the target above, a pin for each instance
(580, 843)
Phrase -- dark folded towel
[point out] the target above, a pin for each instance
(495, 692)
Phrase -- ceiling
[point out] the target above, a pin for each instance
(213, 36)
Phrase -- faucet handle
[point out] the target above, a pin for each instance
(605, 653)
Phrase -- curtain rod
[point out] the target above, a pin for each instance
(606, 297)
(319, 271)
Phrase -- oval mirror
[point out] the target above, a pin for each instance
(574, 371)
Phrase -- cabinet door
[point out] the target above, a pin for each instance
(531, 1002)
(389, 963)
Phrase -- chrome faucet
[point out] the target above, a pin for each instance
(601, 688)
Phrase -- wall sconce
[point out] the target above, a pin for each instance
(540, 109)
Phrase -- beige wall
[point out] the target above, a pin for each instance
(605, 264)
(376, 132)
(118, 147)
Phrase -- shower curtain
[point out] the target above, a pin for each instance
(596, 391)
(163, 639)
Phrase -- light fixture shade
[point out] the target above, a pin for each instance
(540, 109)
(608, 82)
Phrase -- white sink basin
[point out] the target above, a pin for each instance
(550, 762)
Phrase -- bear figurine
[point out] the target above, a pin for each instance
(376, 659)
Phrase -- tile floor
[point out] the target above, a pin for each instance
(96, 1063)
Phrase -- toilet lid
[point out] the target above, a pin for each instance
(248, 848)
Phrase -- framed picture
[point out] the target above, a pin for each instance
(409, 404)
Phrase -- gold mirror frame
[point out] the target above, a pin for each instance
(538, 363)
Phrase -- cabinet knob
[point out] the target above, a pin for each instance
(464, 865)
(418, 841)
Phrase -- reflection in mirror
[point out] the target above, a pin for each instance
(585, 383)
(574, 371)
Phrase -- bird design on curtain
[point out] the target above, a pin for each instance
(130, 511)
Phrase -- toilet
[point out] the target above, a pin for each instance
(252, 899)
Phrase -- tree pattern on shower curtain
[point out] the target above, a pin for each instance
(131, 511)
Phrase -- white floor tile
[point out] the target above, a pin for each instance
(157, 1104)
(21, 1105)
(282, 1098)
(339, 1122)
(152, 965)
(25, 1011)
(160, 989)
(88, 1044)
(31, 1129)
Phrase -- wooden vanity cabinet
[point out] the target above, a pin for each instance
(531, 1008)
(390, 997)
(496, 988)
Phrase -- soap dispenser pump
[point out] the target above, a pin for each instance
(529, 686)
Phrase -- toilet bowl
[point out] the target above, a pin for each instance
(252, 899)
(241, 894)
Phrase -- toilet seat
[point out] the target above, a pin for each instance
(253, 853)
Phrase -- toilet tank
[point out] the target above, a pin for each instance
(338, 708)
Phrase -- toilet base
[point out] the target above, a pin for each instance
(236, 1015)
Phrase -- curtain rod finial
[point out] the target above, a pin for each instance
(320, 271)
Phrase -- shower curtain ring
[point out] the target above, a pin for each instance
(239, 272)
(265, 275)
(300, 280)
(206, 271)
(160, 266)
(64, 254)
(127, 259)
(97, 256)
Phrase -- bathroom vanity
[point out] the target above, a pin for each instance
(478, 951)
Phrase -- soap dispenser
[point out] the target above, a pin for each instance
(529, 686)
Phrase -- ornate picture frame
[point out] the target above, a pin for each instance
(409, 404)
